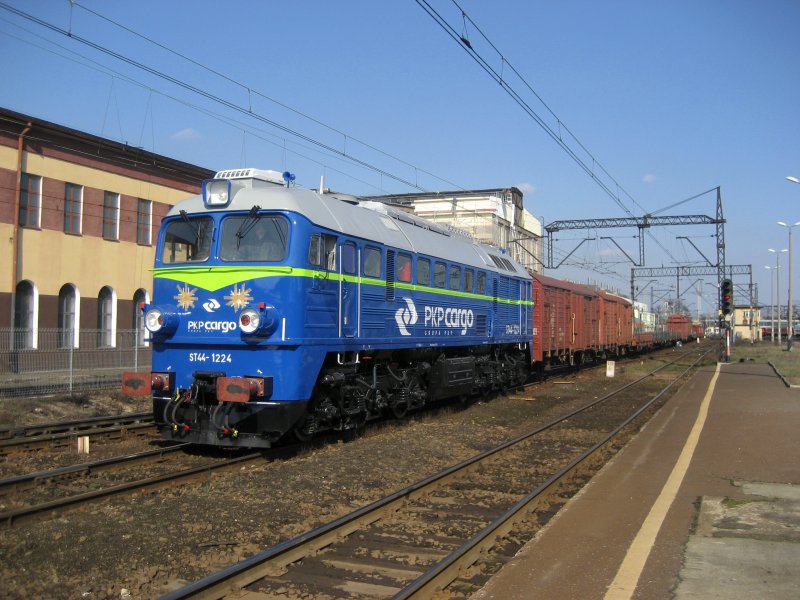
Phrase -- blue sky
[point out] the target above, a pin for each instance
(671, 98)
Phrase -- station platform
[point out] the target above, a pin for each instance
(703, 503)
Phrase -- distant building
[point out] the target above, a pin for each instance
(746, 323)
(79, 217)
(493, 216)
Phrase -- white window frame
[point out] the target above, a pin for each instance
(38, 198)
(80, 207)
(115, 206)
(149, 204)
(76, 315)
(32, 342)
(108, 330)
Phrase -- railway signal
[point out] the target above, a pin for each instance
(727, 296)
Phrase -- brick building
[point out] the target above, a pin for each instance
(79, 216)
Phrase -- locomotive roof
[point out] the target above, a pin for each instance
(366, 220)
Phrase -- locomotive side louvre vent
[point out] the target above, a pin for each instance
(494, 294)
(480, 324)
(390, 274)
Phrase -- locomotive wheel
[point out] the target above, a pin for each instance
(398, 408)
(305, 429)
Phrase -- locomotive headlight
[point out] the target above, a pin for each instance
(216, 192)
(154, 320)
(258, 323)
(157, 321)
(249, 320)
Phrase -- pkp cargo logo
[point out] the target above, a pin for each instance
(211, 305)
(406, 316)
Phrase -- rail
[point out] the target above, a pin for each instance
(276, 561)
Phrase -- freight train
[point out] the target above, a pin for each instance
(279, 311)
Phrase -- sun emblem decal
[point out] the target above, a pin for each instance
(239, 297)
(186, 297)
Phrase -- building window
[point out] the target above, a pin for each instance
(106, 318)
(25, 316)
(30, 200)
(139, 298)
(111, 216)
(68, 316)
(144, 220)
(73, 208)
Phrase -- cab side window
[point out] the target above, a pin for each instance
(322, 251)
(349, 258)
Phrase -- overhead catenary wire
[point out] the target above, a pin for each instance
(252, 91)
(212, 97)
(248, 110)
(517, 97)
(89, 63)
(555, 135)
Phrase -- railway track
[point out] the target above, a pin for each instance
(427, 537)
(13, 489)
(59, 434)
(74, 426)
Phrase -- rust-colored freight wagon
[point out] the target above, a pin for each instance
(574, 324)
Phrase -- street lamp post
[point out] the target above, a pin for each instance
(771, 303)
(790, 329)
(778, 286)
(789, 316)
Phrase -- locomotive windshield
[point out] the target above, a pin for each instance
(187, 240)
(254, 237)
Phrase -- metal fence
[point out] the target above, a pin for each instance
(50, 361)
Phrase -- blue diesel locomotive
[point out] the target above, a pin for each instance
(278, 310)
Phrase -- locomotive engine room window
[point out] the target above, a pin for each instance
(469, 280)
(455, 277)
(187, 240)
(439, 275)
(255, 238)
(349, 258)
(372, 262)
(423, 271)
(404, 268)
(481, 283)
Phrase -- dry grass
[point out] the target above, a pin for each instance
(788, 363)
